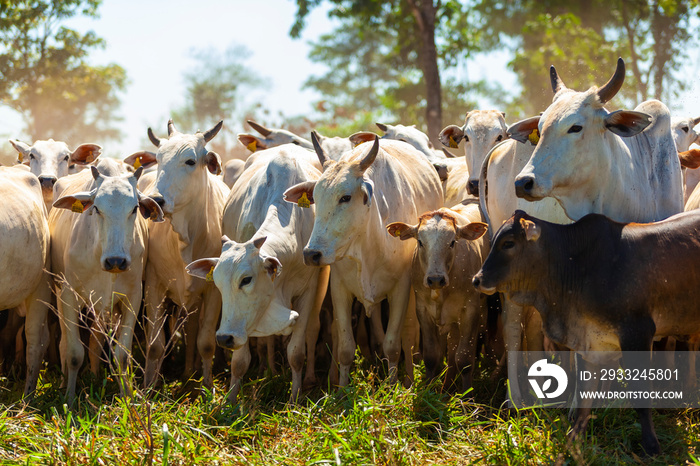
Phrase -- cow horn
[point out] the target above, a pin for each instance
(613, 86)
(696, 121)
(95, 172)
(259, 128)
(171, 128)
(557, 83)
(317, 147)
(259, 242)
(138, 172)
(209, 135)
(371, 155)
(153, 137)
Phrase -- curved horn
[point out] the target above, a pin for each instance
(259, 128)
(696, 121)
(557, 83)
(171, 128)
(209, 135)
(153, 138)
(95, 172)
(317, 147)
(138, 172)
(371, 155)
(613, 86)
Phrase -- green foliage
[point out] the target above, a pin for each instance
(46, 76)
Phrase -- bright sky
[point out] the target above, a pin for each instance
(152, 40)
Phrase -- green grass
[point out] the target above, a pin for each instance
(368, 422)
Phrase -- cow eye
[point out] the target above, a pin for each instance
(67, 158)
(296, 143)
(190, 162)
(575, 129)
(31, 156)
(71, 167)
(466, 138)
(245, 281)
(452, 244)
(499, 138)
(507, 245)
(685, 129)
(344, 199)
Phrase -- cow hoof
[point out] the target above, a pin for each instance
(651, 447)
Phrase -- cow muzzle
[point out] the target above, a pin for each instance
(47, 182)
(116, 264)
(473, 187)
(312, 257)
(478, 282)
(228, 341)
(525, 188)
(436, 282)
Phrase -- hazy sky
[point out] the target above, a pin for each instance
(152, 40)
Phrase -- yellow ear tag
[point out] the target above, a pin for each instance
(453, 143)
(77, 207)
(137, 163)
(253, 146)
(210, 275)
(304, 201)
(20, 157)
(397, 232)
(534, 137)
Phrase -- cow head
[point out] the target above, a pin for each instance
(576, 139)
(512, 263)
(51, 160)
(684, 134)
(271, 138)
(245, 276)
(113, 203)
(184, 166)
(482, 130)
(436, 235)
(343, 197)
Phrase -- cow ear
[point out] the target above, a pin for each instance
(85, 154)
(301, 194)
(150, 209)
(690, 158)
(213, 162)
(525, 130)
(441, 170)
(368, 192)
(203, 268)
(142, 158)
(627, 123)
(532, 231)
(23, 150)
(252, 143)
(273, 267)
(451, 136)
(402, 230)
(78, 202)
(473, 231)
(363, 136)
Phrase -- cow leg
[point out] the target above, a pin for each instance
(97, 342)
(374, 312)
(240, 361)
(313, 327)
(37, 333)
(193, 315)
(512, 333)
(122, 352)
(269, 343)
(73, 352)
(296, 348)
(465, 356)
(410, 337)
(433, 352)
(206, 338)
(154, 294)
(342, 308)
(398, 301)
(582, 413)
(334, 371)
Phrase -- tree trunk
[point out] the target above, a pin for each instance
(425, 11)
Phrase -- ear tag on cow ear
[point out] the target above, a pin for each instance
(453, 143)
(20, 157)
(90, 158)
(534, 137)
(210, 275)
(77, 207)
(137, 163)
(397, 232)
(253, 146)
(304, 201)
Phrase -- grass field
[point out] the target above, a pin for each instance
(368, 422)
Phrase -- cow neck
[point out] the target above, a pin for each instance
(196, 226)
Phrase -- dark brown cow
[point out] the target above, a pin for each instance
(601, 285)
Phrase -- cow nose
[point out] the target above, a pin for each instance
(312, 257)
(524, 185)
(476, 281)
(159, 199)
(435, 282)
(473, 187)
(47, 182)
(116, 264)
(228, 341)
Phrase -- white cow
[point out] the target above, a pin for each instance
(232, 171)
(51, 160)
(481, 131)
(271, 138)
(98, 251)
(25, 255)
(265, 286)
(684, 135)
(192, 197)
(355, 198)
(445, 303)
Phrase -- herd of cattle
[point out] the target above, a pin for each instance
(250, 250)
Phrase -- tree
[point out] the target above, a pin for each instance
(45, 74)
(213, 92)
(386, 56)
